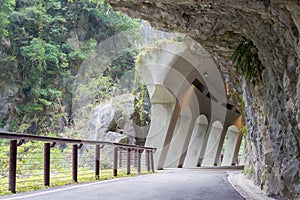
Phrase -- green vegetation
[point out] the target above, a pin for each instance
(141, 95)
(42, 46)
(97, 90)
(30, 166)
(31, 183)
(248, 171)
(246, 61)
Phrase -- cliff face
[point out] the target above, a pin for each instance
(272, 106)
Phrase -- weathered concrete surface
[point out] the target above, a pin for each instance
(197, 139)
(175, 184)
(272, 107)
(232, 139)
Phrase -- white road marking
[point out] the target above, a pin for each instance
(61, 189)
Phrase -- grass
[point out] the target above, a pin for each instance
(26, 184)
(30, 166)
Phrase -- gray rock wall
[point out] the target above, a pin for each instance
(273, 106)
(112, 121)
(8, 93)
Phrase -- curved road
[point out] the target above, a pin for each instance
(171, 184)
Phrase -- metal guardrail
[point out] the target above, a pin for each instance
(17, 139)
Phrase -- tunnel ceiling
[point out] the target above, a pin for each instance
(271, 106)
(217, 26)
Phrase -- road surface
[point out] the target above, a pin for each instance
(170, 184)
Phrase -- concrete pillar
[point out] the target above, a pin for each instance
(180, 135)
(164, 113)
(169, 74)
(196, 142)
(231, 145)
(213, 143)
(204, 144)
(237, 149)
(160, 133)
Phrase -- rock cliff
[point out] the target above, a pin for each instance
(273, 105)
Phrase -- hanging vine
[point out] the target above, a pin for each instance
(246, 61)
(140, 93)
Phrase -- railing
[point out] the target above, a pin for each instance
(133, 153)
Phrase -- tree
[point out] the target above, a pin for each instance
(7, 7)
(41, 59)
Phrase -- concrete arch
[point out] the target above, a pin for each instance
(174, 78)
(164, 111)
(160, 94)
(167, 86)
(180, 134)
(196, 142)
(213, 142)
(232, 142)
(238, 123)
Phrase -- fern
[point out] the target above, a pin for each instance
(247, 62)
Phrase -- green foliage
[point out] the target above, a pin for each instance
(44, 43)
(247, 62)
(30, 167)
(241, 98)
(31, 183)
(6, 7)
(140, 115)
(248, 170)
(3, 123)
(141, 96)
(244, 130)
(97, 90)
(13, 126)
(87, 96)
(122, 64)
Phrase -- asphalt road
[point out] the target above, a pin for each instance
(173, 184)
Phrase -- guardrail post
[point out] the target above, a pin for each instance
(135, 157)
(147, 160)
(152, 161)
(47, 164)
(128, 161)
(115, 170)
(139, 161)
(120, 156)
(12, 166)
(97, 161)
(75, 162)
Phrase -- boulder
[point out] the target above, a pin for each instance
(112, 122)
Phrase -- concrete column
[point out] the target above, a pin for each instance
(163, 119)
(180, 135)
(196, 142)
(213, 143)
(232, 140)
(204, 144)
(237, 150)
